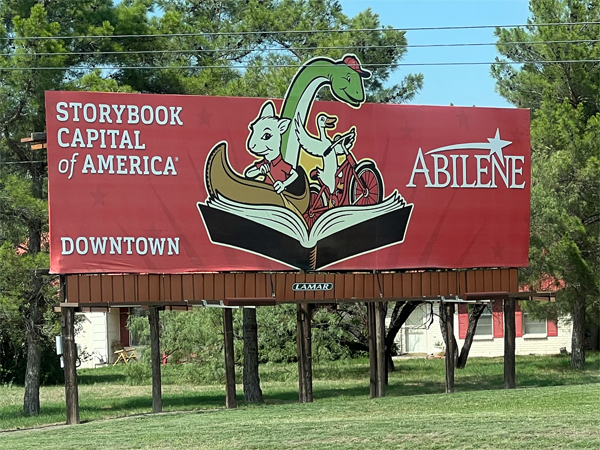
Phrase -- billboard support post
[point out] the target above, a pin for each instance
(304, 346)
(372, 349)
(509, 343)
(380, 348)
(70, 359)
(156, 360)
(376, 327)
(230, 394)
(450, 350)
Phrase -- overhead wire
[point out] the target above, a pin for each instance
(277, 49)
(268, 66)
(278, 32)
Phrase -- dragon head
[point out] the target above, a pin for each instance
(347, 81)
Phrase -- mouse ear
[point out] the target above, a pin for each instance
(283, 125)
(267, 110)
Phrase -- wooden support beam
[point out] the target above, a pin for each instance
(304, 347)
(37, 136)
(372, 349)
(230, 394)
(450, 361)
(380, 347)
(155, 359)
(509, 343)
(70, 359)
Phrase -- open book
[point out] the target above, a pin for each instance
(278, 233)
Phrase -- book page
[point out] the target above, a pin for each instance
(275, 217)
(343, 217)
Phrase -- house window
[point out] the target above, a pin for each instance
(532, 326)
(485, 325)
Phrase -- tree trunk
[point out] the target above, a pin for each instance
(578, 336)
(34, 315)
(31, 400)
(474, 315)
(454, 345)
(252, 390)
(400, 314)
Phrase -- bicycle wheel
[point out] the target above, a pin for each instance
(369, 190)
(316, 206)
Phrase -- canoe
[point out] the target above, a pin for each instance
(221, 178)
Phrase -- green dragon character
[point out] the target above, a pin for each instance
(345, 80)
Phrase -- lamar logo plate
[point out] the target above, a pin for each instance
(312, 286)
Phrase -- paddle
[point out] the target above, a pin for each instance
(289, 205)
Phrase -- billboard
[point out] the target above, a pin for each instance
(169, 184)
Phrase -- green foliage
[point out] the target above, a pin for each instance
(64, 61)
(195, 339)
(277, 335)
(565, 133)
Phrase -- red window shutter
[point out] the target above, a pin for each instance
(518, 320)
(552, 328)
(124, 332)
(463, 320)
(497, 318)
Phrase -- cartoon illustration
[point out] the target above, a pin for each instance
(272, 210)
(322, 146)
(345, 81)
(265, 141)
(349, 183)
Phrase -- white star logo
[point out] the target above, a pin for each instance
(496, 146)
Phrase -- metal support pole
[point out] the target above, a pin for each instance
(230, 395)
(509, 343)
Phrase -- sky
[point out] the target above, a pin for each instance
(459, 85)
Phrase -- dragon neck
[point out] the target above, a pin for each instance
(299, 99)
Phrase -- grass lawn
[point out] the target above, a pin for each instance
(553, 407)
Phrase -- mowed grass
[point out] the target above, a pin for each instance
(553, 407)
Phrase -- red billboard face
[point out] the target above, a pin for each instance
(167, 184)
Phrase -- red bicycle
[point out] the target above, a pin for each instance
(357, 184)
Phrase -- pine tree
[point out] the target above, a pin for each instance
(564, 98)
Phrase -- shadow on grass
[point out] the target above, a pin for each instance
(91, 378)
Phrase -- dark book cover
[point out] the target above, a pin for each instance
(230, 229)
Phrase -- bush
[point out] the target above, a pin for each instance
(195, 339)
(138, 373)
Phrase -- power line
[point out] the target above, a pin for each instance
(275, 49)
(278, 32)
(266, 66)
(20, 162)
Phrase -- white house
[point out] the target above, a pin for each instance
(420, 334)
(97, 333)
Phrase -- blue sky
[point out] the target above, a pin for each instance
(460, 85)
